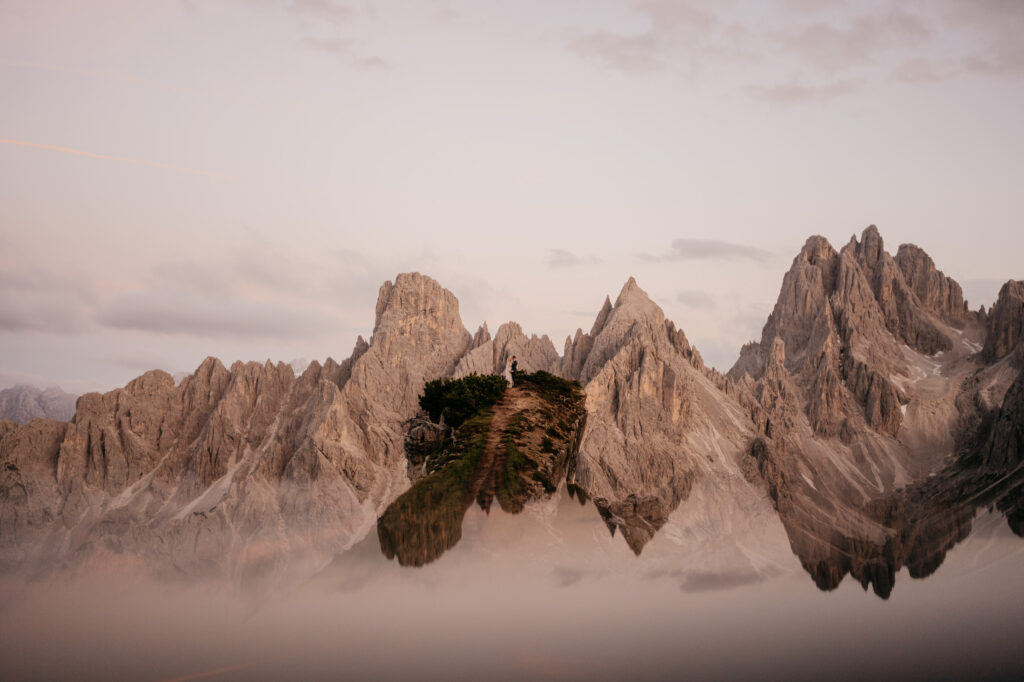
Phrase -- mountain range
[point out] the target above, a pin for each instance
(24, 403)
(871, 419)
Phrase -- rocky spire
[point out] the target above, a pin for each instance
(578, 348)
(1005, 322)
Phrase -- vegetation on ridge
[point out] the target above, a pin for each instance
(459, 399)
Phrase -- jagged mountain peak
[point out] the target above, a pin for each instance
(602, 316)
(491, 353)
(415, 296)
(816, 249)
(634, 301)
(877, 301)
(482, 336)
(871, 246)
(845, 318)
(154, 379)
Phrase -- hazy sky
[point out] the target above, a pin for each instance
(183, 178)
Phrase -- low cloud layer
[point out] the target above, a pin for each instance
(696, 299)
(560, 258)
(333, 12)
(169, 312)
(708, 249)
(260, 291)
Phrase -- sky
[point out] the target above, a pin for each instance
(184, 178)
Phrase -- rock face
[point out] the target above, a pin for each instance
(937, 293)
(1005, 322)
(23, 403)
(848, 319)
(1004, 448)
(840, 316)
(248, 472)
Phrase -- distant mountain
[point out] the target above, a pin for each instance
(872, 418)
(24, 403)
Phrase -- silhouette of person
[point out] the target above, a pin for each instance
(515, 369)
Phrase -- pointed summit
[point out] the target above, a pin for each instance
(816, 250)
(635, 300)
(871, 245)
(482, 336)
(602, 317)
(631, 293)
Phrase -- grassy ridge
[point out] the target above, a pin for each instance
(426, 520)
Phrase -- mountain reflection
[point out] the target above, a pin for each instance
(913, 528)
(426, 521)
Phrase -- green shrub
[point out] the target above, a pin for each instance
(460, 399)
(550, 387)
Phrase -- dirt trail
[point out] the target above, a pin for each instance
(490, 475)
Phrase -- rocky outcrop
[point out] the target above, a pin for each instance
(1005, 322)
(23, 403)
(577, 348)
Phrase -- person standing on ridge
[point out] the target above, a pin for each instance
(515, 369)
